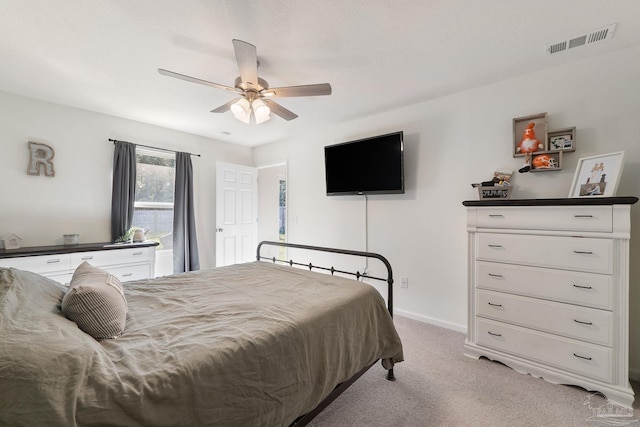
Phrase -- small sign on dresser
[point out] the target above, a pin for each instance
(496, 192)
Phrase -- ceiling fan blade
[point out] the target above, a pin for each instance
(195, 80)
(247, 58)
(224, 107)
(279, 110)
(305, 90)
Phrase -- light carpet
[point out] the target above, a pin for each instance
(437, 385)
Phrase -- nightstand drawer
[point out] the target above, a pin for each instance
(564, 353)
(586, 324)
(567, 218)
(569, 253)
(586, 289)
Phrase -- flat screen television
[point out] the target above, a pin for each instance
(366, 166)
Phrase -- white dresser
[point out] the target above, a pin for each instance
(126, 262)
(549, 289)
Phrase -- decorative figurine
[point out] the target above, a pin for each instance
(11, 241)
(529, 144)
(544, 161)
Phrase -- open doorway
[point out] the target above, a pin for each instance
(272, 207)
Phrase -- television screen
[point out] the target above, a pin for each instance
(366, 166)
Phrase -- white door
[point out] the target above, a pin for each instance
(236, 213)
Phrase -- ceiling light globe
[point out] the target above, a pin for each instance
(261, 111)
(240, 107)
(241, 110)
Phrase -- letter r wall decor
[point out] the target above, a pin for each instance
(41, 158)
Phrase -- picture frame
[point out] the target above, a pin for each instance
(597, 176)
(540, 129)
(562, 139)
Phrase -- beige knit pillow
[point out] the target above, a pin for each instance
(95, 302)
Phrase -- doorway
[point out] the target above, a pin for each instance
(272, 207)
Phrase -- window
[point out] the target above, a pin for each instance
(153, 207)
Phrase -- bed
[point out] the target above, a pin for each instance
(254, 344)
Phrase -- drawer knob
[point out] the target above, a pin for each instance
(498, 276)
(84, 258)
(494, 334)
(496, 216)
(495, 246)
(582, 357)
(582, 287)
(52, 261)
(494, 305)
(584, 252)
(581, 322)
(583, 216)
(137, 253)
(127, 275)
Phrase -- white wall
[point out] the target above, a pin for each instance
(449, 143)
(78, 198)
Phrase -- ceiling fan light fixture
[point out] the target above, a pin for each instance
(242, 110)
(261, 110)
(250, 91)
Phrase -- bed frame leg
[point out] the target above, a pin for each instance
(390, 375)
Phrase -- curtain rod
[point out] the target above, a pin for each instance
(153, 148)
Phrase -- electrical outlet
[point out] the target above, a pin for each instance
(404, 282)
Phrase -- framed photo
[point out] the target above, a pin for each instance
(562, 140)
(530, 134)
(597, 176)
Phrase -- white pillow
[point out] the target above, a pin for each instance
(95, 302)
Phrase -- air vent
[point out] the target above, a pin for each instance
(595, 36)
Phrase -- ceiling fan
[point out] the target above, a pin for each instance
(255, 93)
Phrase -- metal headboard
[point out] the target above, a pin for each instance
(357, 274)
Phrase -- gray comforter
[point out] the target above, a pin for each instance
(248, 345)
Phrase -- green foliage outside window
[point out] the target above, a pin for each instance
(155, 179)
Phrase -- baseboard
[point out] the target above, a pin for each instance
(430, 320)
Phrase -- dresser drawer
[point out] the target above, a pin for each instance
(129, 273)
(111, 257)
(64, 278)
(586, 289)
(39, 264)
(558, 218)
(569, 253)
(576, 356)
(587, 324)
(124, 274)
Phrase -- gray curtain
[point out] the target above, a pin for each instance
(185, 244)
(124, 187)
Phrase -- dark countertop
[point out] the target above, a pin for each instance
(65, 249)
(578, 201)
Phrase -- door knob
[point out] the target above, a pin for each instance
(219, 230)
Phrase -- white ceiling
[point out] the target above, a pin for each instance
(378, 55)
